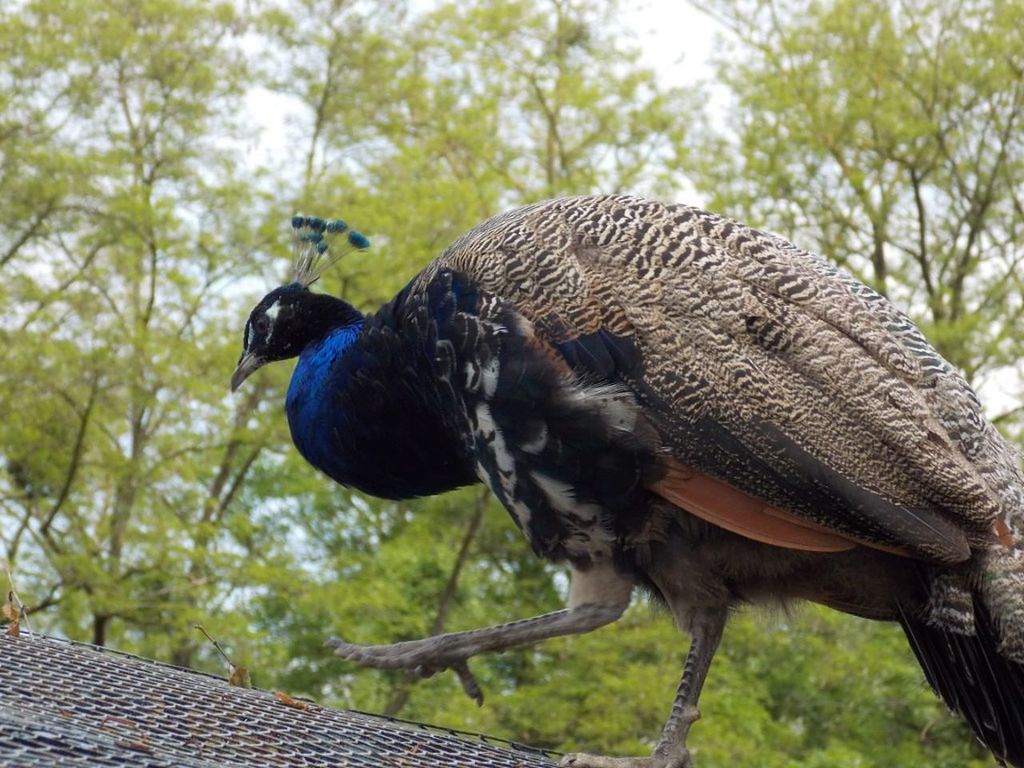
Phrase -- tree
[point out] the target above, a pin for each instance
(889, 138)
(123, 224)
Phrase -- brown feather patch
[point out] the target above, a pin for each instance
(720, 504)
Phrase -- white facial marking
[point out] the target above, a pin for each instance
(271, 313)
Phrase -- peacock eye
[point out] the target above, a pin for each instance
(261, 325)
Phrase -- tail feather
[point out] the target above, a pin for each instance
(975, 681)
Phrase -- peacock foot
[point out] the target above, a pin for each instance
(424, 658)
(581, 760)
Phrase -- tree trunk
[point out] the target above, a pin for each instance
(100, 624)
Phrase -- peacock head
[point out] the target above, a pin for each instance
(291, 316)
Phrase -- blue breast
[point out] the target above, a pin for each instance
(314, 413)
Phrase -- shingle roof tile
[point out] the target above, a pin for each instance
(67, 704)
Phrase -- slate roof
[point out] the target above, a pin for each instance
(68, 704)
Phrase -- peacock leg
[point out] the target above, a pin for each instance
(597, 596)
(706, 630)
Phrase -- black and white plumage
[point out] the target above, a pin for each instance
(668, 399)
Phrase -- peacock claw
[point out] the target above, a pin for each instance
(469, 683)
(420, 657)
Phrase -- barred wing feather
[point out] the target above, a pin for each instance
(761, 365)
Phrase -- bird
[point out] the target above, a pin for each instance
(673, 403)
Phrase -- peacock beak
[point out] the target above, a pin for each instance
(247, 364)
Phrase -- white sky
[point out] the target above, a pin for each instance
(676, 39)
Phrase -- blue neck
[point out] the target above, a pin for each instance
(311, 417)
(315, 363)
(353, 392)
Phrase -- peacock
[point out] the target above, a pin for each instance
(671, 402)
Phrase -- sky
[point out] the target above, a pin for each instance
(676, 39)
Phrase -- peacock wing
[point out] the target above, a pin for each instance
(762, 366)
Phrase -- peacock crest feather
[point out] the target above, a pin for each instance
(317, 248)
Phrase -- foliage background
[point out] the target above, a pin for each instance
(137, 498)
